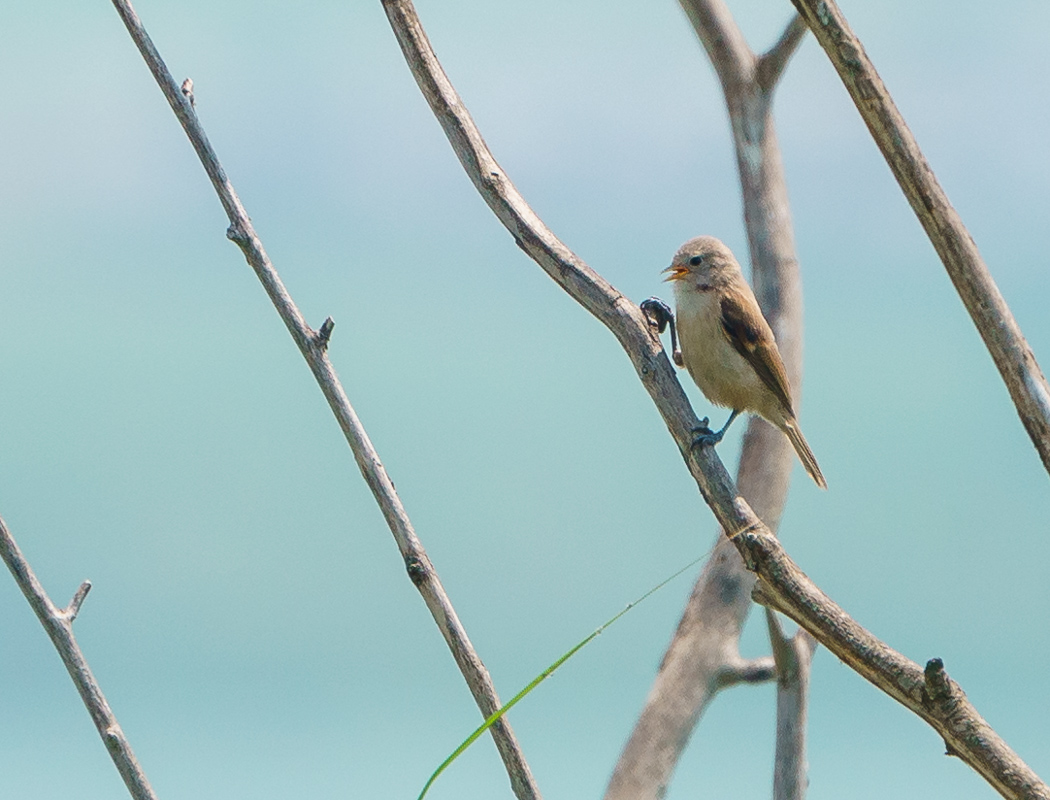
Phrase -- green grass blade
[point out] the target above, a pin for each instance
(488, 723)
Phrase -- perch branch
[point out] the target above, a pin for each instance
(59, 626)
(929, 693)
(708, 633)
(988, 310)
(786, 586)
(313, 345)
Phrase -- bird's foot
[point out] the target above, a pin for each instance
(704, 436)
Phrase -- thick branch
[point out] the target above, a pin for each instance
(762, 553)
(793, 658)
(1001, 333)
(706, 640)
(313, 346)
(59, 626)
(722, 39)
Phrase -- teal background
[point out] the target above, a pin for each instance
(251, 622)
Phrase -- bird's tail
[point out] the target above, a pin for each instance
(805, 455)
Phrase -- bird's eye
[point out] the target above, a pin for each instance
(696, 261)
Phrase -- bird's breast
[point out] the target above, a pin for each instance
(723, 375)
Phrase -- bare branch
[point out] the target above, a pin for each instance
(988, 310)
(793, 658)
(785, 584)
(313, 346)
(930, 693)
(59, 626)
(709, 632)
(771, 64)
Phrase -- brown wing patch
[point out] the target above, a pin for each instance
(751, 338)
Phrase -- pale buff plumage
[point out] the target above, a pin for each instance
(727, 345)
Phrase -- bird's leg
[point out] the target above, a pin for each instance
(703, 435)
(660, 316)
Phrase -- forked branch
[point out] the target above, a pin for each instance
(314, 345)
(784, 584)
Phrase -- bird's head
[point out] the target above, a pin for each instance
(703, 261)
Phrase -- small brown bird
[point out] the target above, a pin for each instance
(727, 345)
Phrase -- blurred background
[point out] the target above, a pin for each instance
(251, 622)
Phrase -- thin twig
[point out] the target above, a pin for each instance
(948, 711)
(793, 659)
(771, 64)
(757, 670)
(313, 346)
(59, 626)
(988, 309)
(70, 612)
(701, 652)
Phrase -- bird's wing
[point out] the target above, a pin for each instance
(750, 337)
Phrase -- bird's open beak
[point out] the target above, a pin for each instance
(676, 272)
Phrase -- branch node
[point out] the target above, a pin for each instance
(71, 611)
(187, 92)
(417, 570)
(938, 686)
(236, 234)
(324, 334)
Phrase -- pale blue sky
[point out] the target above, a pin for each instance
(251, 622)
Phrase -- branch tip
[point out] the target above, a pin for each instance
(73, 608)
(772, 63)
(324, 333)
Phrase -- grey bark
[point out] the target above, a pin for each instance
(931, 694)
(943, 225)
(58, 622)
(705, 644)
(313, 345)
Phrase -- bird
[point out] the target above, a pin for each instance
(728, 347)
